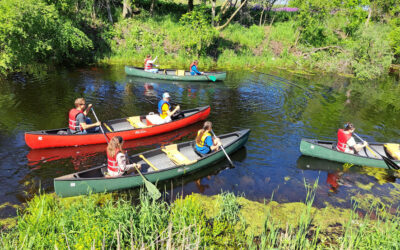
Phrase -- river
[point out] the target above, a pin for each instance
(279, 107)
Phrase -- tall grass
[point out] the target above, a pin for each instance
(106, 221)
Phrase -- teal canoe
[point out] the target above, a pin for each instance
(327, 150)
(157, 165)
(169, 74)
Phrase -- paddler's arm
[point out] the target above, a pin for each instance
(86, 112)
(171, 113)
(88, 126)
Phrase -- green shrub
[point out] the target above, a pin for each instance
(371, 52)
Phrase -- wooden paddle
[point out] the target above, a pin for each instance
(151, 188)
(222, 147)
(101, 128)
(391, 164)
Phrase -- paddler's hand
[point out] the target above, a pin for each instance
(98, 124)
(177, 108)
(365, 144)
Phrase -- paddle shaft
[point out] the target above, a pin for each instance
(389, 162)
(222, 147)
(101, 128)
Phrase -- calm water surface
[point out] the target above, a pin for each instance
(279, 107)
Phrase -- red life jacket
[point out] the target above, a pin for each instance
(72, 120)
(342, 140)
(112, 162)
(147, 65)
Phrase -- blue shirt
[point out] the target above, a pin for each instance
(208, 142)
(194, 71)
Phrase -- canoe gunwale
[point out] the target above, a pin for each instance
(71, 177)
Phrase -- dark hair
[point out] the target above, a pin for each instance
(348, 126)
(120, 140)
(207, 125)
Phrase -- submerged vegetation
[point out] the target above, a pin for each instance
(352, 37)
(225, 220)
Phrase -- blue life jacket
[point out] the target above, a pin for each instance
(160, 104)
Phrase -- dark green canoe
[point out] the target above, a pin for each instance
(327, 150)
(171, 75)
(93, 180)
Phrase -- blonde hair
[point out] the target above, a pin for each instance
(114, 145)
(78, 101)
(207, 126)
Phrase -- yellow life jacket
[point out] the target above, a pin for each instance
(203, 138)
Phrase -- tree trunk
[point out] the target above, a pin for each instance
(109, 11)
(212, 12)
(93, 14)
(233, 15)
(261, 17)
(153, 4)
(190, 5)
(127, 9)
(369, 16)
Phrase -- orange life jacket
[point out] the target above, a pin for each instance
(72, 120)
(112, 163)
(342, 140)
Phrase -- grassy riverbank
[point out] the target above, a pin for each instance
(340, 37)
(108, 221)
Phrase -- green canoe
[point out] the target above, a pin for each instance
(93, 180)
(170, 74)
(327, 150)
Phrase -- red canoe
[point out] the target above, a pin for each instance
(128, 128)
(36, 156)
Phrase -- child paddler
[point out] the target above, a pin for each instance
(205, 143)
(164, 108)
(116, 159)
(78, 122)
(193, 68)
(346, 142)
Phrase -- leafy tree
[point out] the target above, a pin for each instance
(312, 18)
(33, 32)
(371, 52)
(199, 33)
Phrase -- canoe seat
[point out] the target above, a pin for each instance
(136, 122)
(394, 150)
(148, 162)
(180, 72)
(175, 156)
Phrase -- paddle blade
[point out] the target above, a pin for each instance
(391, 164)
(212, 78)
(152, 190)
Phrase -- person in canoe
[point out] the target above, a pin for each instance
(149, 64)
(205, 143)
(116, 159)
(346, 142)
(193, 68)
(164, 109)
(78, 122)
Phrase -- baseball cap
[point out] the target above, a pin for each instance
(166, 95)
